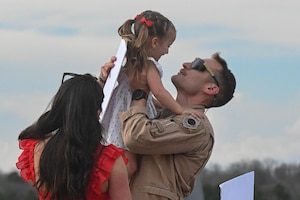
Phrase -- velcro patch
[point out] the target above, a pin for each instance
(191, 122)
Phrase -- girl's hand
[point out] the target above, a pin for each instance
(193, 112)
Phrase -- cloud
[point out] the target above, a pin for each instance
(35, 49)
(260, 21)
(255, 146)
(25, 107)
(9, 155)
(41, 40)
(294, 129)
(247, 129)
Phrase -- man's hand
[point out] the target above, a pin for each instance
(105, 69)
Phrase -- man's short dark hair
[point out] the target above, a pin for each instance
(226, 80)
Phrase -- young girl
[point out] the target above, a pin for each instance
(149, 36)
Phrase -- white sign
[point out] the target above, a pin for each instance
(111, 81)
(239, 188)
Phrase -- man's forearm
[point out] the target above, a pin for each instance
(135, 127)
(158, 136)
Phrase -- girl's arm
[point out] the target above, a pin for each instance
(161, 94)
(118, 182)
(157, 104)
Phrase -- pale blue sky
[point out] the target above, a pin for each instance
(259, 39)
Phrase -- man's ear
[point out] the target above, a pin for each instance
(211, 89)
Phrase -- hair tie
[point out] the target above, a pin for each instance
(148, 23)
(137, 16)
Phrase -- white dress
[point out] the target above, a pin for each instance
(120, 101)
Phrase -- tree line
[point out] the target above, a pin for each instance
(273, 181)
(13, 187)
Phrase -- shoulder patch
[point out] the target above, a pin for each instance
(191, 122)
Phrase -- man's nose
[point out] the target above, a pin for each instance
(186, 65)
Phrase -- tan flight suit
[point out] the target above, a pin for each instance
(174, 150)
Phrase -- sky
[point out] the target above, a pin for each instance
(39, 40)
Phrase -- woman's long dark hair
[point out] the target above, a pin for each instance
(68, 156)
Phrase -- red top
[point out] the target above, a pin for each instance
(100, 172)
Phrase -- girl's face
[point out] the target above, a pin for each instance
(161, 47)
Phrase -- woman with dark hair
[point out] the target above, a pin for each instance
(62, 152)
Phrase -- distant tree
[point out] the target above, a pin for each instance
(13, 187)
(280, 192)
(273, 180)
(211, 192)
(259, 194)
(288, 175)
(14, 177)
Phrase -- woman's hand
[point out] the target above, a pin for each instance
(105, 70)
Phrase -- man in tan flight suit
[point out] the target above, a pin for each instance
(173, 149)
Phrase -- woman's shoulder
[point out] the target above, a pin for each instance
(110, 152)
(27, 144)
(106, 157)
(25, 161)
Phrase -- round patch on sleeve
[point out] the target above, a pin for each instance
(191, 122)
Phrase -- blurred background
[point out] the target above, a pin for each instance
(39, 40)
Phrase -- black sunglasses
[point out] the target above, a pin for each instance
(75, 75)
(200, 65)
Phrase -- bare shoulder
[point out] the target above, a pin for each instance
(38, 149)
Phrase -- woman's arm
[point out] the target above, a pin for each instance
(118, 182)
